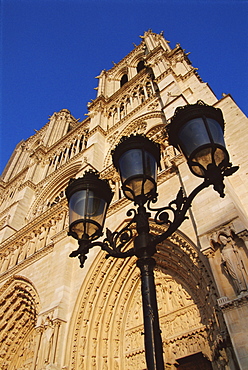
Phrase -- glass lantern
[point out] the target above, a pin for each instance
(198, 130)
(136, 158)
(89, 198)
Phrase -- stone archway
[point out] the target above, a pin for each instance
(194, 362)
(183, 332)
(107, 326)
(19, 309)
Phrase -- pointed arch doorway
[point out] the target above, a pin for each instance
(194, 362)
(107, 325)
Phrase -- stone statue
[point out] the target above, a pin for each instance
(42, 238)
(46, 345)
(52, 230)
(5, 261)
(31, 244)
(233, 264)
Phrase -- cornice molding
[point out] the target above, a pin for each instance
(117, 205)
(17, 177)
(29, 184)
(164, 74)
(228, 225)
(227, 304)
(95, 129)
(187, 335)
(3, 184)
(166, 175)
(129, 85)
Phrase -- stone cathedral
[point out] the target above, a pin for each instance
(56, 315)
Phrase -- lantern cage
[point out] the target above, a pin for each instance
(136, 158)
(198, 130)
(89, 198)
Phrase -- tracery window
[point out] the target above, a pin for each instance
(57, 199)
(142, 91)
(64, 156)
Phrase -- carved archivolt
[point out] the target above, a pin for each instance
(107, 325)
(23, 359)
(19, 305)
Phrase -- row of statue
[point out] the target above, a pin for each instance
(31, 243)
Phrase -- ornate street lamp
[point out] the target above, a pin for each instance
(89, 198)
(195, 129)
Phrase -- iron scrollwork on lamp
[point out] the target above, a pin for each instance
(198, 131)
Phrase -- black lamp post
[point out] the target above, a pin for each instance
(195, 129)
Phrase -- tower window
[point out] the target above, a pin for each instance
(124, 79)
(140, 65)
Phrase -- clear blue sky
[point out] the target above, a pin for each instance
(53, 49)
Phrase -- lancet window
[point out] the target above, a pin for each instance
(139, 94)
(124, 79)
(140, 65)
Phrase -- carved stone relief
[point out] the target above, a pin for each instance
(179, 319)
(232, 254)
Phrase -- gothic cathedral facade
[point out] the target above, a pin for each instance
(54, 315)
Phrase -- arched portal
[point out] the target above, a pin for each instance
(107, 325)
(19, 309)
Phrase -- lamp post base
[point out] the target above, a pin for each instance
(153, 339)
